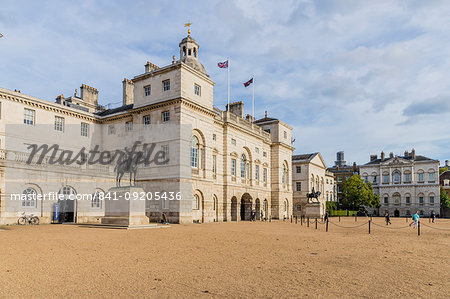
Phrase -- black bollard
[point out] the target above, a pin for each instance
(270, 218)
(308, 221)
(418, 228)
(369, 225)
(316, 222)
(295, 219)
(301, 220)
(356, 218)
(339, 218)
(291, 218)
(327, 225)
(406, 218)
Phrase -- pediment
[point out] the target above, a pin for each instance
(396, 161)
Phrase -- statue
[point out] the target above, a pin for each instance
(312, 195)
(127, 163)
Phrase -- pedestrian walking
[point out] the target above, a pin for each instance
(433, 216)
(387, 218)
(415, 219)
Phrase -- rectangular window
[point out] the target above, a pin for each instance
(298, 169)
(374, 180)
(128, 126)
(257, 150)
(385, 178)
(420, 177)
(146, 120)
(386, 200)
(111, 130)
(339, 179)
(299, 208)
(420, 200)
(214, 137)
(233, 141)
(147, 90)
(59, 123)
(264, 154)
(84, 129)
(298, 186)
(265, 175)
(28, 117)
(366, 179)
(285, 134)
(165, 116)
(407, 178)
(166, 85)
(165, 151)
(214, 162)
(233, 167)
(408, 200)
(431, 176)
(431, 200)
(339, 189)
(257, 172)
(197, 89)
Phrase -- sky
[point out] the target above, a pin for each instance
(351, 75)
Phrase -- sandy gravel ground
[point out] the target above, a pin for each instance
(277, 259)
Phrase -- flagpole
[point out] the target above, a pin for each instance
(253, 98)
(228, 82)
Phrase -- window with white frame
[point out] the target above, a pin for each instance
(420, 177)
(257, 172)
(29, 197)
(407, 177)
(84, 129)
(385, 178)
(243, 163)
(96, 203)
(265, 175)
(214, 164)
(431, 177)
(111, 130)
(146, 119)
(164, 202)
(59, 123)
(431, 199)
(165, 116)
(147, 90)
(339, 179)
(28, 116)
(165, 151)
(298, 186)
(197, 89)
(233, 167)
(166, 85)
(195, 202)
(128, 126)
(194, 152)
(396, 176)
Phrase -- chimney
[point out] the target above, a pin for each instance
(413, 153)
(447, 163)
(89, 94)
(391, 155)
(236, 108)
(406, 154)
(250, 118)
(373, 157)
(60, 99)
(354, 167)
(127, 92)
(382, 156)
(150, 67)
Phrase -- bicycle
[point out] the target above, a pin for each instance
(24, 219)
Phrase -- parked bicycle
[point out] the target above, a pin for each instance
(24, 219)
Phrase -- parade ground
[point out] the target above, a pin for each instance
(239, 259)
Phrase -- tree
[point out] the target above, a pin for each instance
(357, 193)
(442, 170)
(445, 199)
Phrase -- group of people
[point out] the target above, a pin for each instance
(253, 215)
(415, 218)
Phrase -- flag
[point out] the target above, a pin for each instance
(293, 140)
(246, 84)
(223, 65)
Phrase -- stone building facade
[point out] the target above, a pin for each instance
(223, 164)
(341, 172)
(405, 184)
(310, 171)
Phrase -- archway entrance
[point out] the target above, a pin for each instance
(246, 207)
(258, 209)
(396, 213)
(67, 204)
(233, 209)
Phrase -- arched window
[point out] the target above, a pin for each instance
(195, 52)
(284, 175)
(29, 197)
(194, 152)
(184, 51)
(214, 203)
(67, 191)
(243, 163)
(285, 205)
(396, 176)
(195, 202)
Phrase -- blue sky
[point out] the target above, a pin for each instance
(352, 75)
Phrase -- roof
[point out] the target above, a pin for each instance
(188, 39)
(417, 159)
(265, 119)
(304, 157)
(115, 110)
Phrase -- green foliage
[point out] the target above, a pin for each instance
(357, 193)
(445, 199)
(442, 170)
(342, 213)
(332, 205)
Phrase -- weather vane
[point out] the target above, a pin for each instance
(188, 24)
